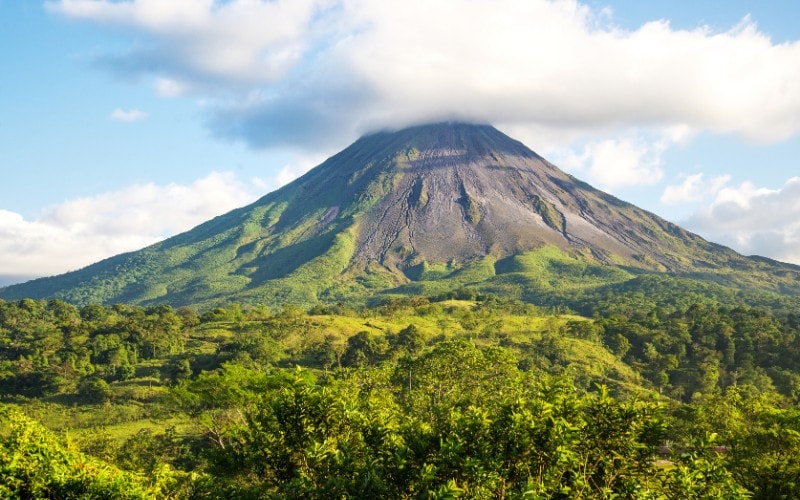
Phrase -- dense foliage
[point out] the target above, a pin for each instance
(34, 464)
(417, 397)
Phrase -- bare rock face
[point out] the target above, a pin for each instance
(461, 192)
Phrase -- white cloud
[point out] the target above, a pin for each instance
(694, 189)
(133, 115)
(631, 160)
(239, 40)
(324, 69)
(79, 232)
(754, 220)
(166, 87)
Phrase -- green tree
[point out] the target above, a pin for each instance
(364, 348)
(411, 339)
(34, 464)
(94, 390)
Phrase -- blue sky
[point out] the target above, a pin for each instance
(122, 123)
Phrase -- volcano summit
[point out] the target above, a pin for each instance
(452, 203)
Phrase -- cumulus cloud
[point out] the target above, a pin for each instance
(79, 232)
(754, 220)
(613, 163)
(306, 72)
(133, 115)
(247, 41)
(694, 188)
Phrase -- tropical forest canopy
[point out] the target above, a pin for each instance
(462, 394)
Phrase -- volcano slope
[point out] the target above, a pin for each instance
(420, 210)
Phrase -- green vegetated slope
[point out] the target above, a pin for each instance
(285, 248)
(552, 277)
(413, 397)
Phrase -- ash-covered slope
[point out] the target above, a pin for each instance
(465, 191)
(368, 218)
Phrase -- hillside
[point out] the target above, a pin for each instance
(427, 208)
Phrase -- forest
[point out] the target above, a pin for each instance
(461, 395)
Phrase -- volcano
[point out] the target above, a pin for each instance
(455, 203)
